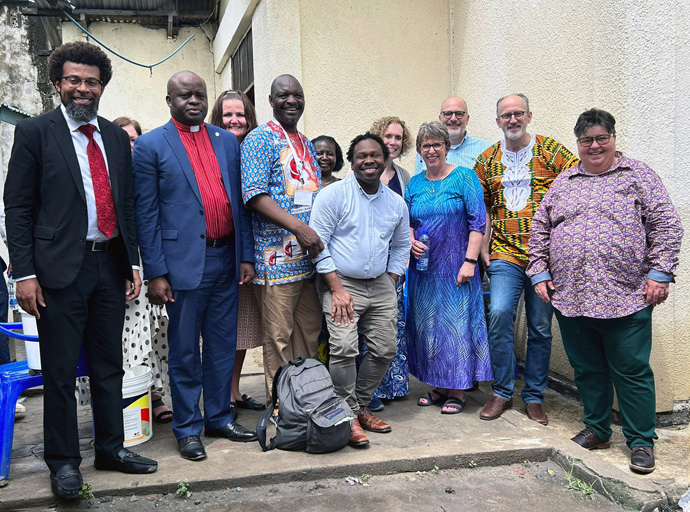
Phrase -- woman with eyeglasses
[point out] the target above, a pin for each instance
(604, 248)
(446, 326)
(234, 112)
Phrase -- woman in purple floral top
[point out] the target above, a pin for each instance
(604, 248)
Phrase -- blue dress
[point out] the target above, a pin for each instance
(447, 344)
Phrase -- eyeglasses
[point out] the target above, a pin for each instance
(448, 114)
(602, 140)
(436, 146)
(518, 115)
(75, 81)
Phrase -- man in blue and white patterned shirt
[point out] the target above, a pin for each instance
(365, 228)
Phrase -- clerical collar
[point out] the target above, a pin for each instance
(186, 128)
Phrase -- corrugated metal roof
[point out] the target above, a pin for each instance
(136, 11)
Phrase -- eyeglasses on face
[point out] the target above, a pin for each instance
(448, 114)
(75, 81)
(602, 140)
(436, 146)
(518, 115)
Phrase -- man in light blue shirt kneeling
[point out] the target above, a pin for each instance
(365, 229)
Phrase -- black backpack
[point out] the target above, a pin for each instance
(307, 413)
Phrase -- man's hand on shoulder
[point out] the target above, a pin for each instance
(160, 291)
(133, 288)
(30, 296)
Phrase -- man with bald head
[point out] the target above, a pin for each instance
(464, 149)
(280, 177)
(516, 173)
(196, 246)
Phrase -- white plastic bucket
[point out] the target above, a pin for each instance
(33, 350)
(136, 405)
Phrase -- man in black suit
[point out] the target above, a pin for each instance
(72, 242)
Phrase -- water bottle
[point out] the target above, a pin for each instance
(14, 305)
(423, 261)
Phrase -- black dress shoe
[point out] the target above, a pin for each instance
(126, 462)
(66, 482)
(248, 402)
(191, 448)
(234, 432)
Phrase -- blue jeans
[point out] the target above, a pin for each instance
(508, 280)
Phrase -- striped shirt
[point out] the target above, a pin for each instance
(198, 146)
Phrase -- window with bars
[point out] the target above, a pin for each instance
(243, 67)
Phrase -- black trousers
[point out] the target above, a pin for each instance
(89, 312)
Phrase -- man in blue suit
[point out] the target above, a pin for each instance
(196, 246)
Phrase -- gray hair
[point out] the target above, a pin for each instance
(432, 131)
(520, 95)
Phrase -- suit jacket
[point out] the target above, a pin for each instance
(45, 202)
(171, 221)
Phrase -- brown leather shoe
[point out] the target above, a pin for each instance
(588, 439)
(357, 435)
(494, 408)
(371, 422)
(536, 413)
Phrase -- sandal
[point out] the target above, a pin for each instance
(163, 416)
(429, 399)
(455, 404)
(248, 403)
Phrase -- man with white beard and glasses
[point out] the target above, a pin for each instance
(515, 174)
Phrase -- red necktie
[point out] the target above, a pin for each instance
(105, 207)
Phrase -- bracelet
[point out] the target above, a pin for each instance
(470, 260)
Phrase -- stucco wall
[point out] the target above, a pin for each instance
(625, 57)
(356, 60)
(134, 91)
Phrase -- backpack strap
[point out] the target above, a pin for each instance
(261, 430)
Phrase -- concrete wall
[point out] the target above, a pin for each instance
(23, 77)
(134, 91)
(357, 60)
(629, 58)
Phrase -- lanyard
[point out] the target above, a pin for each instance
(298, 161)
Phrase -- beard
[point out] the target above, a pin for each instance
(82, 113)
(515, 135)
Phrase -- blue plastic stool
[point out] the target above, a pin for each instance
(14, 379)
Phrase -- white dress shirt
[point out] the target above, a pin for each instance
(364, 235)
(81, 141)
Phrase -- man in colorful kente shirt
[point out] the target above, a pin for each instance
(516, 173)
(280, 177)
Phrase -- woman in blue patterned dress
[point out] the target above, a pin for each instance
(447, 343)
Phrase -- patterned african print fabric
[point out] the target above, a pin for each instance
(269, 167)
(447, 342)
(514, 185)
(601, 236)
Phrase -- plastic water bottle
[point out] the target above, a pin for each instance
(423, 261)
(14, 305)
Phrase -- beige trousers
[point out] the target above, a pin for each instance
(291, 323)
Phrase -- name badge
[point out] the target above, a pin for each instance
(303, 197)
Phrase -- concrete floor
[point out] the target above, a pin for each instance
(421, 439)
